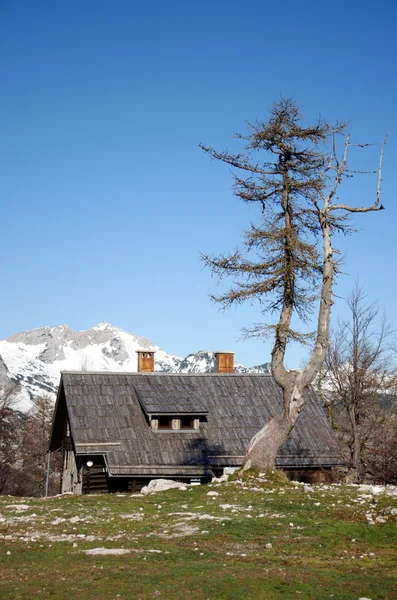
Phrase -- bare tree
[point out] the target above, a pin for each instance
(10, 425)
(293, 173)
(357, 371)
(380, 451)
(34, 446)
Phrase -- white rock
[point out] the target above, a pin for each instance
(389, 490)
(227, 471)
(213, 494)
(161, 485)
(96, 551)
(17, 507)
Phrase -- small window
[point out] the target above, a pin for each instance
(174, 423)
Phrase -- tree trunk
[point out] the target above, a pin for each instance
(355, 449)
(265, 445)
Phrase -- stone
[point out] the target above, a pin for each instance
(162, 485)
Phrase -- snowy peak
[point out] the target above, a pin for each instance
(200, 362)
(101, 326)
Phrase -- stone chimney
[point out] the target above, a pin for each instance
(145, 361)
(224, 362)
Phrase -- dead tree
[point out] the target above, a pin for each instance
(293, 173)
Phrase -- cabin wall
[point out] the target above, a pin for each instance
(71, 468)
(71, 474)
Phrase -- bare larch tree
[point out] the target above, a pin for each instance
(292, 172)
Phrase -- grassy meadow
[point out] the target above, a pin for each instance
(249, 538)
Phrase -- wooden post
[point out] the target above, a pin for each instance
(47, 479)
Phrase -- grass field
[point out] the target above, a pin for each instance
(251, 538)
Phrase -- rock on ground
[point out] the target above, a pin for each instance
(115, 551)
(161, 485)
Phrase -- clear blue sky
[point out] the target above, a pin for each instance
(106, 199)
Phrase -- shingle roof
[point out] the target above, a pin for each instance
(180, 398)
(106, 416)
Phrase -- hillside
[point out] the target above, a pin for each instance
(31, 361)
(249, 538)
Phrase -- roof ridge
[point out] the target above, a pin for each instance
(166, 373)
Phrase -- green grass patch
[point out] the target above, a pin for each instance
(259, 537)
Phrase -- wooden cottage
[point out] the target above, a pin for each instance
(119, 430)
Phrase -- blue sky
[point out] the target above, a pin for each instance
(106, 199)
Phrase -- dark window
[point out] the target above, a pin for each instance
(187, 423)
(164, 423)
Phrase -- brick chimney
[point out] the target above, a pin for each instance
(145, 361)
(224, 362)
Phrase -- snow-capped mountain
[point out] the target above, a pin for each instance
(31, 361)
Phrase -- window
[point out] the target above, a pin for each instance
(171, 423)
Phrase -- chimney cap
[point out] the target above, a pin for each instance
(223, 352)
(145, 350)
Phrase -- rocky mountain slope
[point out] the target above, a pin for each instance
(31, 361)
